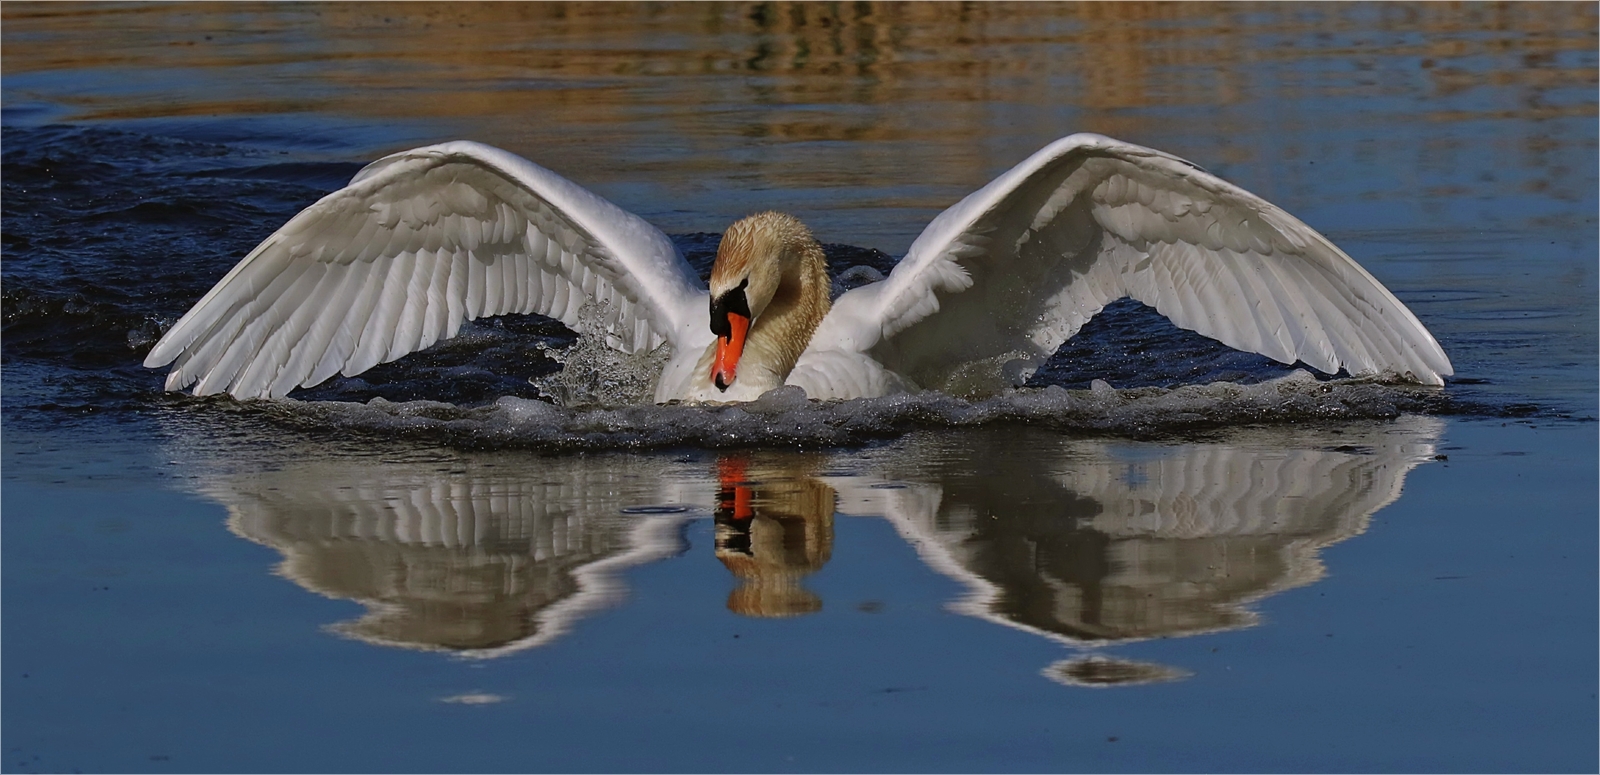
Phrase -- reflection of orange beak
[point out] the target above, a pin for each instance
(734, 497)
(729, 349)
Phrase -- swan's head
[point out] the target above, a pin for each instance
(756, 254)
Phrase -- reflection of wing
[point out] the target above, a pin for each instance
(417, 244)
(1018, 266)
(1078, 541)
(1088, 541)
(477, 554)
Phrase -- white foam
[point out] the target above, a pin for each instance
(785, 417)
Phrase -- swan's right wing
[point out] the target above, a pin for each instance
(1018, 266)
(418, 243)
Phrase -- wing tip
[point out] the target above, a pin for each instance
(155, 359)
(1431, 378)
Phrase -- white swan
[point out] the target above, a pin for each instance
(425, 239)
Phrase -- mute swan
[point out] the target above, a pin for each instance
(425, 239)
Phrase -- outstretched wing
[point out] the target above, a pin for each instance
(419, 242)
(1018, 266)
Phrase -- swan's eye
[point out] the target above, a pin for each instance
(732, 301)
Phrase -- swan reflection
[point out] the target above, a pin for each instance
(474, 554)
(774, 526)
(1087, 543)
(1114, 542)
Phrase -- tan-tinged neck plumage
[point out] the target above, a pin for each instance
(778, 267)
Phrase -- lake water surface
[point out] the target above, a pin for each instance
(1222, 564)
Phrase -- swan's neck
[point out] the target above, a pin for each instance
(783, 330)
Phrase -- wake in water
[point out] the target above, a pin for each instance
(786, 418)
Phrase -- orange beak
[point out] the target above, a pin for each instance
(729, 348)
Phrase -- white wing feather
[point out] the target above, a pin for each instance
(418, 243)
(1018, 266)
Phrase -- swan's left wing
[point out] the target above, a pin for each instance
(1018, 266)
(419, 243)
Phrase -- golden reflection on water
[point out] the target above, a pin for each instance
(830, 108)
(1087, 543)
(465, 54)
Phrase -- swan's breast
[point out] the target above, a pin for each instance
(841, 374)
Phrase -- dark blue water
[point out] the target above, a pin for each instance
(1221, 565)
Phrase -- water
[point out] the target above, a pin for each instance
(1221, 563)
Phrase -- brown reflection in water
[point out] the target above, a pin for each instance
(894, 85)
(774, 527)
(865, 120)
(467, 54)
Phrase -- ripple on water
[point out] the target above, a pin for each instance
(664, 509)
